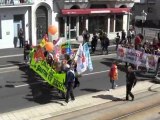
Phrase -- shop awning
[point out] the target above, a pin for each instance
(94, 11)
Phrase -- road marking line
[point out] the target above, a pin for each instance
(13, 67)
(9, 71)
(23, 85)
(7, 56)
(22, 65)
(102, 55)
(95, 73)
(6, 65)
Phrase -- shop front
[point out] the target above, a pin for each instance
(72, 22)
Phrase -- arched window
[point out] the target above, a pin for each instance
(75, 7)
(42, 22)
(123, 6)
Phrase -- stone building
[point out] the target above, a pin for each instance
(33, 16)
(70, 17)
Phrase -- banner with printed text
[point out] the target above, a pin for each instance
(137, 57)
(48, 74)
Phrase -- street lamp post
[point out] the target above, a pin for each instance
(144, 16)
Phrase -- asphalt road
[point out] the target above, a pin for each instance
(21, 88)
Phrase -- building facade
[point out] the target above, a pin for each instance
(33, 16)
(70, 16)
(110, 16)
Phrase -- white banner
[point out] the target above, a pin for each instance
(137, 57)
(81, 60)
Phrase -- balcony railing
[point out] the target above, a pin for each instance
(15, 2)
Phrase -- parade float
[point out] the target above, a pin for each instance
(59, 49)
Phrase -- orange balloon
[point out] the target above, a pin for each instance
(49, 46)
(52, 29)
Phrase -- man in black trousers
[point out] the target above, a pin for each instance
(70, 79)
(130, 82)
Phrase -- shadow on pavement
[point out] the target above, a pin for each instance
(108, 97)
(90, 90)
(40, 91)
(108, 62)
(15, 62)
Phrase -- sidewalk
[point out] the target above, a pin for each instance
(12, 52)
(56, 108)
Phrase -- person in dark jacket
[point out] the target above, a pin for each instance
(70, 79)
(94, 42)
(117, 40)
(130, 82)
(50, 60)
(85, 35)
(106, 43)
(27, 48)
(76, 83)
(21, 38)
(123, 37)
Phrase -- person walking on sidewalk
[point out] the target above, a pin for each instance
(130, 82)
(113, 74)
(70, 79)
(21, 38)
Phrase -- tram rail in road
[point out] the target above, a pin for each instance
(119, 109)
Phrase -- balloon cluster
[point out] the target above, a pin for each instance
(52, 29)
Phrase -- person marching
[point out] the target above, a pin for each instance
(113, 74)
(106, 43)
(94, 42)
(117, 40)
(85, 35)
(123, 37)
(70, 79)
(27, 48)
(130, 82)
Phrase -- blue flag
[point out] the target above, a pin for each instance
(87, 56)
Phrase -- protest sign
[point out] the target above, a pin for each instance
(138, 58)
